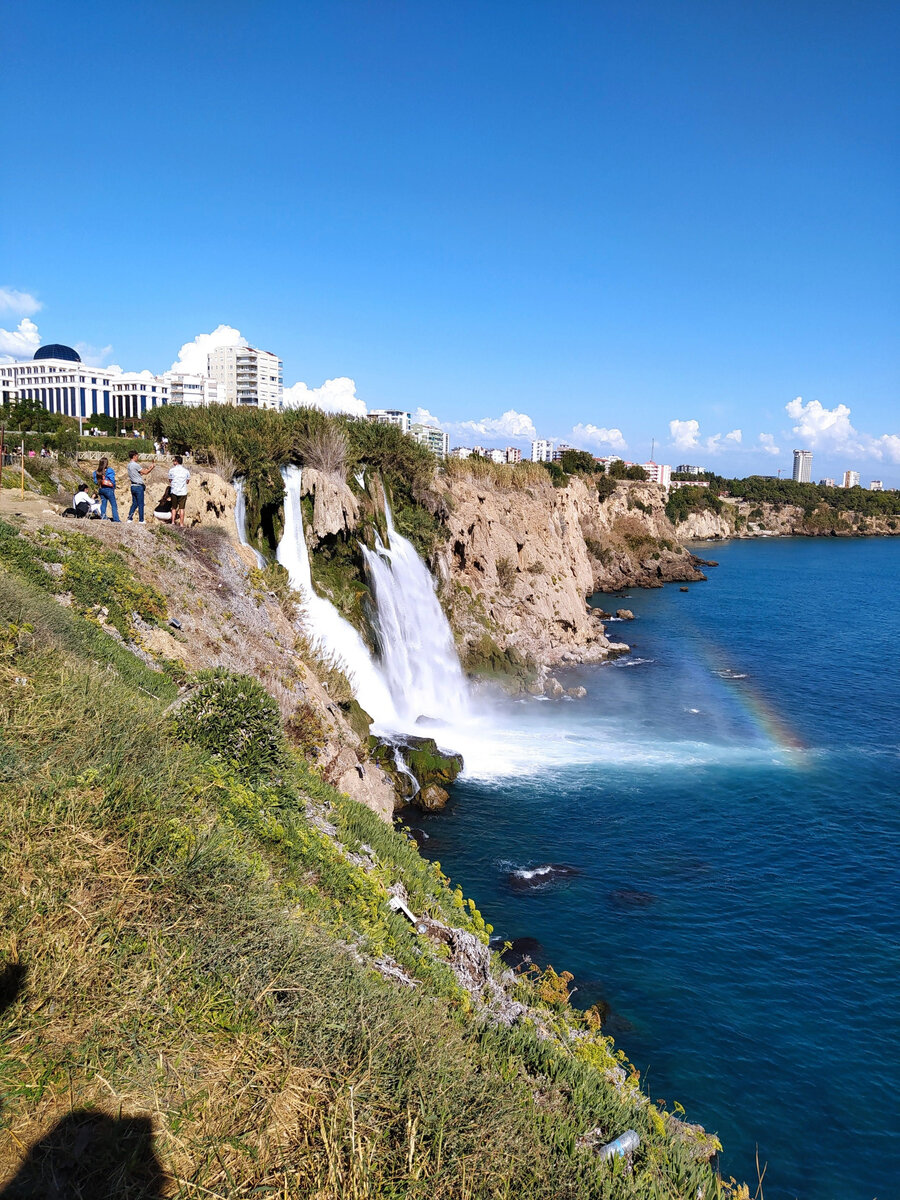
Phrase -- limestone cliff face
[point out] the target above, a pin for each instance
(520, 562)
(747, 519)
(516, 570)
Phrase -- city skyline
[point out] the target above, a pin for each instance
(600, 225)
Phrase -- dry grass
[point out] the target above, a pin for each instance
(325, 449)
(500, 475)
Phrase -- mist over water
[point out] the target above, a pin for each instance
(724, 805)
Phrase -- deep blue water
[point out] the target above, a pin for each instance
(737, 838)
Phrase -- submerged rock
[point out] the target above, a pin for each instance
(530, 878)
(522, 951)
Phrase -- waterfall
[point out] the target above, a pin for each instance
(240, 519)
(332, 635)
(418, 655)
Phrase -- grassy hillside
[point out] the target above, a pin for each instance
(203, 988)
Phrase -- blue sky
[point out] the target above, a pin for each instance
(596, 215)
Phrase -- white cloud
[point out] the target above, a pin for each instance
(93, 356)
(830, 430)
(596, 435)
(685, 434)
(513, 425)
(192, 355)
(824, 428)
(423, 417)
(767, 443)
(334, 396)
(888, 446)
(20, 303)
(19, 343)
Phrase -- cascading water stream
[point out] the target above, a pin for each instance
(240, 519)
(331, 634)
(417, 652)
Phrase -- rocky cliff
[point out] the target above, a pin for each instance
(520, 562)
(748, 519)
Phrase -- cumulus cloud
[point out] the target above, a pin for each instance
(512, 425)
(23, 304)
(823, 428)
(192, 355)
(767, 443)
(830, 430)
(19, 343)
(93, 356)
(334, 396)
(423, 417)
(685, 435)
(597, 435)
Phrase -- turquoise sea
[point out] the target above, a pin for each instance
(729, 796)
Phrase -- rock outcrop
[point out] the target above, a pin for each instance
(335, 508)
(521, 561)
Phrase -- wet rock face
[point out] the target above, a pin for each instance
(432, 798)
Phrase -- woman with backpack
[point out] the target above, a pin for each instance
(105, 479)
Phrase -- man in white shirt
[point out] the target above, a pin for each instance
(178, 486)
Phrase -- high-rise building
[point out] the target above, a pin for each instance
(247, 376)
(432, 439)
(876, 486)
(513, 455)
(542, 450)
(391, 416)
(851, 479)
(802, 466)
(559, 451)
(687, 469)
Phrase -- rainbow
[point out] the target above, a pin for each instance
(761, 712)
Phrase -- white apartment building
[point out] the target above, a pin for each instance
(247, 376)
(876, 486)
(560, 450)
(391, 416)
(461, 452)
(607, 460)
(851, 479)
(542, 450)
(195, 391)
(497, 456)
(688, 469)
(134, 394)
(431, 438)
(658, 473)
(60, 381)
(828, 482)
(513, 455)
(802, 466)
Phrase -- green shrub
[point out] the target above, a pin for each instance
(506, 573)
(305, 730)
(607, 486)
(236, 720)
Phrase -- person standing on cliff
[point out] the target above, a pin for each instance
(105, 479)
(179, 476)
(136, 475)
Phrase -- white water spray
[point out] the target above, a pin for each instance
(240, 519)
(418, 655)
(330, 633)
